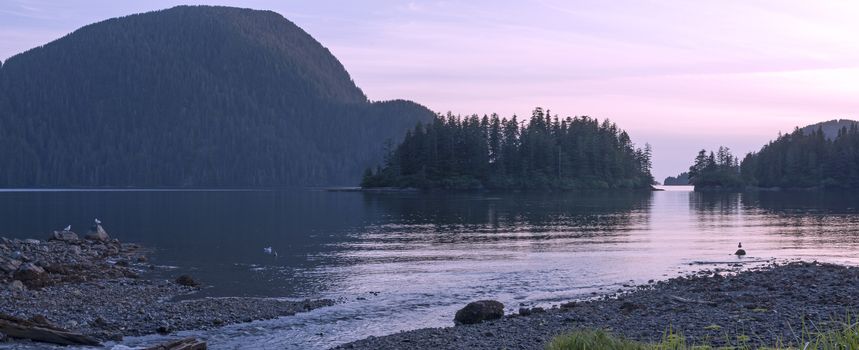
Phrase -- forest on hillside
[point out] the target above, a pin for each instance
(469, 153)
(195, 96)
(801, 159)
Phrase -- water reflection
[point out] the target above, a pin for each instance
(424, 256)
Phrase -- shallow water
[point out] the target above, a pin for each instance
(401, 261)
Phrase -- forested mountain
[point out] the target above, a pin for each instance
(189, 96)
(679, 180)
(802, 159)
(805, 158)
(830, 128)
(454, 152)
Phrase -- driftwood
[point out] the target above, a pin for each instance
(692, 301)
(17, 328)
(181, 344)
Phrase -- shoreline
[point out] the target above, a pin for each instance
(761, 306)
(95, 287)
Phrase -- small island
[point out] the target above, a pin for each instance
(492, 153)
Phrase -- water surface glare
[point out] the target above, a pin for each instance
(399, 261)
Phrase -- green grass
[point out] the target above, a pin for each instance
(841, 338)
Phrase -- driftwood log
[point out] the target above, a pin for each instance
(181, 344)
(692, 301)
(42, 331)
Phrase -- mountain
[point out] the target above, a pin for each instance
(190, 96)
(830, 128)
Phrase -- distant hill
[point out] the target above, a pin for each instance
(680, 180)
(830, 128)
(190, 96)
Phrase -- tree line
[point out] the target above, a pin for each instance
(547, 153)
(804, 158)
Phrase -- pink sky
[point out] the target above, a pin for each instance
(680, 75)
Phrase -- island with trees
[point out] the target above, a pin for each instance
(493, 153)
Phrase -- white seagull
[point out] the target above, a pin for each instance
(97, 221)
(269, 251)
(68, 228)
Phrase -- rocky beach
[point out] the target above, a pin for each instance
(762, 306)
(99, 287)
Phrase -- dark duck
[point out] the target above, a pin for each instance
(740, 251)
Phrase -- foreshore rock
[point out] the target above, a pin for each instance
(63, 259)
(97, 233)
(479, 311)
(63, 236)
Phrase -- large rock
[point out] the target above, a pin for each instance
(63, 236)
(479, 311)
(29, 272)
(97, 233)
(187, 281)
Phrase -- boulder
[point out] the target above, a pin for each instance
(740, 252)
(29, 272)
(97, 233)
(63, 236)
(479, 311)
(187, 281)
(31, 241)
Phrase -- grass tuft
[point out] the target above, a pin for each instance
(842, 338)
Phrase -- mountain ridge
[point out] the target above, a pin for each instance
(190, 96)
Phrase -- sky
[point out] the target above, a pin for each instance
(680, 75)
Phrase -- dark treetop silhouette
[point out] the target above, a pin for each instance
(494, 153)
(818, 156)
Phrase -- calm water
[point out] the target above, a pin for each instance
(414, 259)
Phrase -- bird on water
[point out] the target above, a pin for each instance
(740, 251)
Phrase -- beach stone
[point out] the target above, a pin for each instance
(97, 233)
(187, 281)
(63, 236)
(29, 272)
(9, 266)
(31, 241)
(479, 311)
(740, 252)
(17, 286)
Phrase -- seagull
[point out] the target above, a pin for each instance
(68, 228)
(269, 251)
(97, 221)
